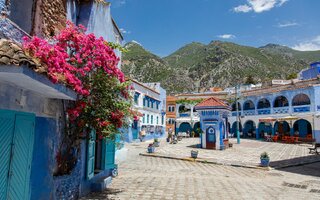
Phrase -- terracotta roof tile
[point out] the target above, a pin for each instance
(11, 53)
(212, 102)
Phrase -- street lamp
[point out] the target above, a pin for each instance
(237, 116)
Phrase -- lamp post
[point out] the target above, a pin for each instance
(237, 116)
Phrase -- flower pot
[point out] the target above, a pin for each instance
(194, 154)
(264, 162)
(151, 149)
(156, 144)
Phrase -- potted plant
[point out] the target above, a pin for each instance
(156, 142)
(151, 148)
(194, 154)
(264, 159)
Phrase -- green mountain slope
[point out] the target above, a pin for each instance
(197, 67)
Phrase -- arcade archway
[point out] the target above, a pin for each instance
(302, 128)
(249, 129)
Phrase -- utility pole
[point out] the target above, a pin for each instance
(237, 117)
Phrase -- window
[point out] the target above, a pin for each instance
(171, 121)
(151, 104)
(147, 118)
(162, 119)
(144, 101)
(148, 104)
(157, 105)
(170, 108)
(151, 119)
(143, 118)
(136, 98)
(157, 120)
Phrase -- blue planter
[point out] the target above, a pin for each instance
(151, 149)
(264, 162)
(194, 154)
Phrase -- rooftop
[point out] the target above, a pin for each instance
(212, 102)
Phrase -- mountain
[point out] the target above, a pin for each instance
(198, 67)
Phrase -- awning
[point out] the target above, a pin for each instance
(272, 119)
(288, 118)
(267, 119)
(26, 78)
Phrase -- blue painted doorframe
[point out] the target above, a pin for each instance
(16, 144)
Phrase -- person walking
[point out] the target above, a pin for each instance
(170, 131)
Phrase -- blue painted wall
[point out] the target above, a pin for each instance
(43, 161)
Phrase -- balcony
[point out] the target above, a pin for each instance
(301, 108)
(249, 112)
(264, 111)
(184, 114)
(281, 110)
(234, 113)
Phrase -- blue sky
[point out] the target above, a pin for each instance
(163, 26)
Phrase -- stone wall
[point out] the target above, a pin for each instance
(50, 17)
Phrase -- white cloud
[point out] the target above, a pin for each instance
(287, 24)
(119, 3)
(227, 36)
(309, 45)
(259, 6)
(242, 8)
(123, 31)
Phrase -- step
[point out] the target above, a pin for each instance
(101, 184)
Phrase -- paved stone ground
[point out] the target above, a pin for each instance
(159, 178)
(246, 153)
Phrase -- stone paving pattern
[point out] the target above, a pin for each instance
(143, 177)
(247, 153)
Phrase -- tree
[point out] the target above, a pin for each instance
(250, 80)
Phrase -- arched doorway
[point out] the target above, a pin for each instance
(264, 128)
(263, 104)
(249, 129)
(282, 128)
(234, 129)
(301, 100)
(302, 128)
(196, 129)
(234, 107)
(281, 101)
(248, 105)
(184, 127)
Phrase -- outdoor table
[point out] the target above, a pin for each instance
(268, 138)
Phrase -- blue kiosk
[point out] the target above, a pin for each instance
(213, 120)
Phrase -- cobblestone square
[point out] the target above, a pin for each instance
(142, 177)
(247, 153)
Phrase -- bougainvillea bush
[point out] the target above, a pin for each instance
(88, 65)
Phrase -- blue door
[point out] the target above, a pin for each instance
(210, 138)
(17, 137)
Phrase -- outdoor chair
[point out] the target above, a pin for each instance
(315, 148)
(275, 138)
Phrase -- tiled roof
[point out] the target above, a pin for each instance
(11, 53)
(212, 102)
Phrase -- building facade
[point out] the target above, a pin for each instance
(181, 113)
(287, 109)
(33, 109)
(149, 102)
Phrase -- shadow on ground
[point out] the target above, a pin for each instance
(302, 167)
(105, 195)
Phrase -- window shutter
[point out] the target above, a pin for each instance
(90, 154)
(108, 153)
